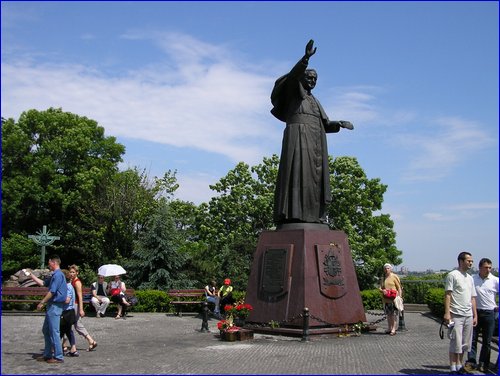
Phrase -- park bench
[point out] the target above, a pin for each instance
(35, 294)
(186, 297)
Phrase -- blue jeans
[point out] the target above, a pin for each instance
(485, 326)
(215, 300)
(51, 332)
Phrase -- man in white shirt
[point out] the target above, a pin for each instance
(486, 285)
(460, 308)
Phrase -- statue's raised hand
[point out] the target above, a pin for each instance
(309, 49)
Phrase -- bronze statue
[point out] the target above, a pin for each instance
(303, 186)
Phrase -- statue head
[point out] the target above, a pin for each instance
(309, 79)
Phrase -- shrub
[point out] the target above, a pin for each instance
(151, 301)
(435, 301)
(239, 295)
(372, 299)
(415, 288)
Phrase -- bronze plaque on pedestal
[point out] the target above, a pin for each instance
(330, 270)
(273, 271)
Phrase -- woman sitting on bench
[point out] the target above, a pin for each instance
(116, 289)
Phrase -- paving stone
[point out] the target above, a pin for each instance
(155, 343)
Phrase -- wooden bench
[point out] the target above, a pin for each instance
(35, 294)
(87, 294)
(186, 297)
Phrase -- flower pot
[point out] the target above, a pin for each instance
(244, 335)
(228, 336)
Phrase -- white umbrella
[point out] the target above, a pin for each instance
(110, 270)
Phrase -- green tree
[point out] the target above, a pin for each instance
(121, 207)
(52, 163)
(355, 200)
(156, 262)
(18, 252)
(231, 222)
(229, 225)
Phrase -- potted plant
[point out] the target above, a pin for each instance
(227, 329)
(238, 312)
(236, 315)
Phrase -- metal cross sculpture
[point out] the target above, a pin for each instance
(43, 238)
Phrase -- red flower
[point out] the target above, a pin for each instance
(223, 325)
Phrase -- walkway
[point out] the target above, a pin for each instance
(155, 343)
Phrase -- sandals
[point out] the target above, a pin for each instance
(92, 346)
(73, 354)
(392, 333)
(118, 317)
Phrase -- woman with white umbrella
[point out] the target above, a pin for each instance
(116, 289)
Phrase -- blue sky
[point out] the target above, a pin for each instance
(185, 86)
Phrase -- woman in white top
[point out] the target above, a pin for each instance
(116, 289)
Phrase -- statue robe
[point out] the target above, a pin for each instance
(302, 191)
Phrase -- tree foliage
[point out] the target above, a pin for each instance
(156, 262)
(355, 202)
(52, 163)
(60, 170)
(233, 220)
(19, 252)
(229, 225)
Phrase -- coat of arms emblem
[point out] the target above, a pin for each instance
(330, 274)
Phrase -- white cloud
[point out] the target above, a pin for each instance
(436, 217)
(461, 212)
(356, 104)
(203, 101)
(88, 36)
(195, 187)
(476, 206)
(450, 141)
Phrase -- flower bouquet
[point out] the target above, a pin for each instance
(238, 312)
(243, 310)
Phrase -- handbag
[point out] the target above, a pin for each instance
(116, 291)
(390, 294)
(69, 316)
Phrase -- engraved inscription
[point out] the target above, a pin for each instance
(273, 271)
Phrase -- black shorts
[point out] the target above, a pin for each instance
(390, 308)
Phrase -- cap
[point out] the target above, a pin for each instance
(227, 281)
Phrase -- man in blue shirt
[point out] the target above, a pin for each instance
(54, 300)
